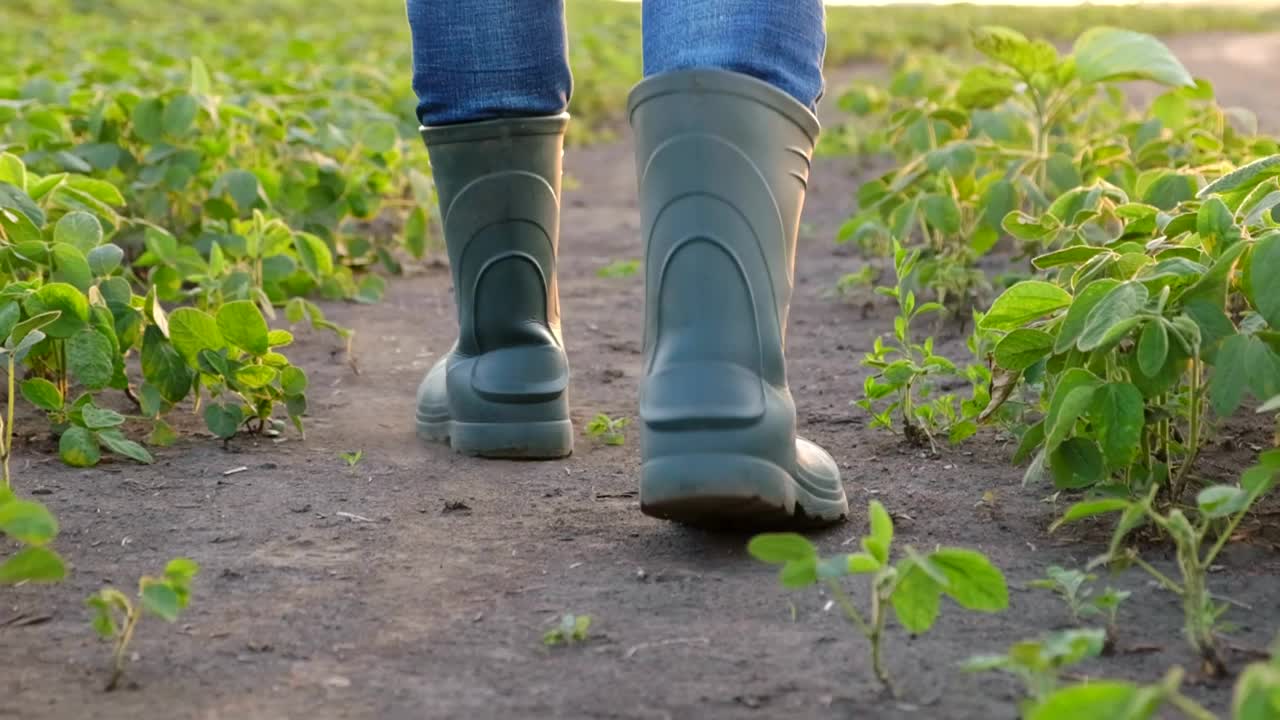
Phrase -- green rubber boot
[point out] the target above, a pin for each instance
(503, 389)
(723, 160)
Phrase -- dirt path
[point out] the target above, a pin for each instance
(424, 611)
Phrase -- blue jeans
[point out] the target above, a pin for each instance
(485, 59)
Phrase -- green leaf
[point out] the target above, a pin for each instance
(314, 255)
(179, 114)
(243, 187)
(9, 313)
(1221, 500)
(30, 523)
(1231, 370)
(1257, 693)
(242, 325)
(181, 570)
(254, 377)
(1024, 302)
(1118, 418)
(62, 298)
(223, 420)
(1073, 255)
(192, 330)
(104, 259)
(972, 581)
(33, 564)
(96, 418)
(1112, 315)
(80, 230)
(916, 598)
(942, 213)
(1012, 48)
(163, 367)
(1022, 348)
(1078, 314)
(415, 233)
(861, 563)
(371, 289)
(1243, 178)
(117, 443)
(148, 122)
(1076, 463)
(1153, 348)
(799, 574)
(1264, 269)
(1089, 508)
(70, 266)
(1096, 699)
(380, 137)
(881, 529)
(1110, 54)
(778, 548)
(1066, 413)
(293, 380)
(78, 447)
(983, 87)
(29, 340)
(160, 600)
(90, 358)
(1215, 223)
(42, 393)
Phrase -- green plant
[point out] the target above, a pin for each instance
(1072, 586)
(1118, 699)
(32, 526)
(607, 430)
(913, 586)
(571, 630)
(1219, 510)
(352, 458)
(1039, 663)
(116, 617)
(619, 269)
(905, 372)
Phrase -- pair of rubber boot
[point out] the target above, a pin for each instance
(723, 161)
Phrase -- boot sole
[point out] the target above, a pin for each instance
(735, 492)
(548, 440)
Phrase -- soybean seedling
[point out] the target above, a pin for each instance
(1074, 589)
(607, 430)
(1038, 663)
(352, 458)
(116, 617)
(572, 629)
(1220, 510)
(912, 586)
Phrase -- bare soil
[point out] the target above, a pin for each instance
(418, 583)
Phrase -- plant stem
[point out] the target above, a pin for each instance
(122, 644)
(872, 632)
(1179, 485)
(1164, 580)
(1190, 707)
(7, 450)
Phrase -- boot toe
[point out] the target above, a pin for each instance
(433, 404)
(819, 490)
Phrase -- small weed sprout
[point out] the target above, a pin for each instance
(1073, 586)
(607, 430)
(572, 629)
(352, 458)
(115, 616)
(619, 269)
(913, 586)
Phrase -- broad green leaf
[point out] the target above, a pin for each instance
(32, 564)
(777, 548)
(984, 87)
(13, 171)
(1076, 463)
(1024, 302)
(14, 199)
(798, 574)
(160, 600)
(1109, 54)
(371, 289)
(201, 86)
(42, 393)
(78, 447)
(1244, 177)
(90, 358)
(1064, 414)
(1257, 693)
(1023, 348)
(942, 213)
(415, 233)
(1264, 273)
(10, 312)
(862, 563)
(1153, 348)
(242, 325)
(254, 377)
(1118, 418)
(1097, 699)
(30, 523)
(179, 113)
(379, 137)
(1089, 508)
(192, 330)
(1012, 48)
(314, 255)
(104, 259)
(293, 380)
(972, 581)
(163, 367)
(181, 570)
(1112, 314)
(70, 266)
(1221, 500)
(243, 187)
(1215, 223)
(78, 229)
(881, 527)
(1078, 314)
(29, 341)
(279, 338)
(223, 420)
(62, 298)
(1073, 255)
(116, 442)
(916, 598)
(96, 418)
(148, 123)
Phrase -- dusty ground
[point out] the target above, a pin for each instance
(430, 612)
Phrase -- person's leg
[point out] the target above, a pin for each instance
(492, 81)
(724, 134)
(781, 42)
(485, 59)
